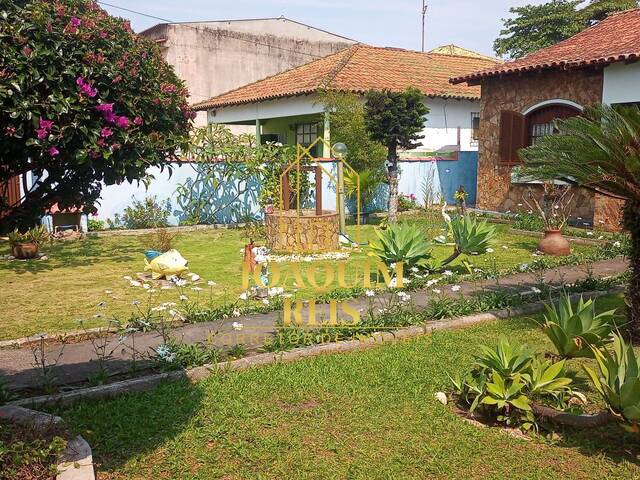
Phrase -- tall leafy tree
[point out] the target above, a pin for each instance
(533, 27)
(599, 150)
(83, 100)
(395, 119)
(346, 116)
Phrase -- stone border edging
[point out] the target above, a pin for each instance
(75, 462)
(195, 374)
(172, 228)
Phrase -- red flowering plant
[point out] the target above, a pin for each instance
(84, 101)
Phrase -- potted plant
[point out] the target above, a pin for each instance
(554, 211)
(26, 245)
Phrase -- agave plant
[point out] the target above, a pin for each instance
(506, 393)
(401, 243)
(575, 331)
(470, 235)
(546, 378)
(618, 381)
(506, 359)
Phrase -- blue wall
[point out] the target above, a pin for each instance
(445, 177)
(463, 172)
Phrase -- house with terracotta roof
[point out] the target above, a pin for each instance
(285, 107)
(521, 99)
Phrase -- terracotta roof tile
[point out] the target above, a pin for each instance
(615, 38)
(361, 68)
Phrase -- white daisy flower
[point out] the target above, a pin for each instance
(370, 293)
(437, 291)
(243, 296)
(455, 288)
(183, 298)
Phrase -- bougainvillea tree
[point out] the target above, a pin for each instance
(84, 101)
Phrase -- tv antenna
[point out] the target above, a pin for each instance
(424, 16)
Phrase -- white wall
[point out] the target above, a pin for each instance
(621, 83)
(283, 107)
(115, 198)
(443, 120)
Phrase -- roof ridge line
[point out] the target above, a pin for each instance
(271, 76)
(339, 66)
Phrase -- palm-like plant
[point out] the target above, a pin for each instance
(470, 235)
(575, 331)
(599, 150)
(402, 243)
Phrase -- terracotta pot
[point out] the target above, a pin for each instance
(555, 244)
(25, 251)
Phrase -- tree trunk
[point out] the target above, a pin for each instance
(573, 420)
(392, 160)
(631, 220)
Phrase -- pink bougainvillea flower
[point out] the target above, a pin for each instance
(137, 120)
(49, 27)
(75, 21)
(106, 132)
(46, 124)
(103, 34)
(117, 79)
(42, 133)
(53, 151)
(27, 51)
(9, 131)
(110, 117)
(104, 107)
(122, 122)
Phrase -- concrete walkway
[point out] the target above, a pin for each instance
(78, 360)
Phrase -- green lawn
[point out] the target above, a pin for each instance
(50, 296)
(368, 415)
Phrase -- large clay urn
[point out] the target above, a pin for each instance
(554, 244)
(25, 251)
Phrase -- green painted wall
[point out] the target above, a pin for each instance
(285, 127)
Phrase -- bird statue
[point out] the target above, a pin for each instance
(445, 215)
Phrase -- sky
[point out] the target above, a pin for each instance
(472, 24)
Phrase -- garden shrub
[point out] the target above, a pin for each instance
(148, 213)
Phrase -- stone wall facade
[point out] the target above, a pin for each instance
(519, 93)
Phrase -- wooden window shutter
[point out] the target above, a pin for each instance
(513, 136)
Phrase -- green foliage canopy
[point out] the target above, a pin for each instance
(533, 27)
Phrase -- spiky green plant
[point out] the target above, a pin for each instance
(599, 150)
(546, 378)
(505, 393)
(618, 381)
(471, 236)
(573, 331)
(402, 243)
(507, 359)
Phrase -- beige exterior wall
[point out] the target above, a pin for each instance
(519, 93)
(215, 57)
